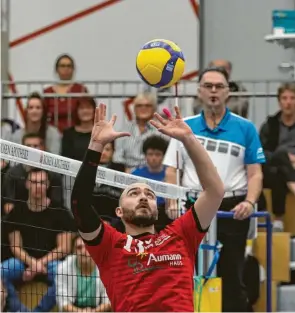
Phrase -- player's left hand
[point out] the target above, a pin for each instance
(174, 127)
(242, 211)
(103, 131)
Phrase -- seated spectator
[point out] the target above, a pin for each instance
(35, 122)
(15, 177)
(105, 197)
(78, 284)
(60, 110)
(154, 149)
(237, 105)
(40, 236)
(76, 139)
(278, 140)
(129, 149)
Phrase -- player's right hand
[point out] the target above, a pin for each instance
(174, 127)
(103, 132)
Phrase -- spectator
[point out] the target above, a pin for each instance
(60, 110)
(154, 149)
(234, 147)
(129, 150)
(39, 235)
(106, 198)
(237, 105)
(5, 251)
(278, 140)
(78, 285)
(75, 139)
(15, 188)
(35, 122)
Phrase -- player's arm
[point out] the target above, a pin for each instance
(88, 221)
(211, 197)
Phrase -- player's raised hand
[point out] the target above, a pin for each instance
(171, 126)
(103, 132)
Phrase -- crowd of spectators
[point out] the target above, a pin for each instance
(38, 235)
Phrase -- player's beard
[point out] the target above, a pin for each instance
(140, 220)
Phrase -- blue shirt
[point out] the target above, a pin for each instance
(233, 144)
(144, 172)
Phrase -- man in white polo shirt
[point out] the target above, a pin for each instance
(234, 146)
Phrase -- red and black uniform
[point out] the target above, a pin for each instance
(145, 273)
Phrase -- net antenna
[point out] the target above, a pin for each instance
(177, 158)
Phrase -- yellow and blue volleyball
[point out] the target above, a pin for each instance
(160, 63)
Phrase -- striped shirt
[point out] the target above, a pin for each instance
(128, 150)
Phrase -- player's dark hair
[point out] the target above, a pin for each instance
(155, 143)
(64, 56)
(215, 69)
(32, 135)
(36, 170)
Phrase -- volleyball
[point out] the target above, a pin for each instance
(160, 63)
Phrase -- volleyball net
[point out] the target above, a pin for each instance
(61, 173)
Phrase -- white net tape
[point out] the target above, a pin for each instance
(51, 162)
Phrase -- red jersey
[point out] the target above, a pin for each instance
(150, 272)
(65, 107)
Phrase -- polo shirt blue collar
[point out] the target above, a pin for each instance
(222, 125)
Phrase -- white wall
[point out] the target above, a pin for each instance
(235, 30)
(104, 44)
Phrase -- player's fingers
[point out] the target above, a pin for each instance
(156, 124)
(104, 112)
(122, 134)
(113, 119)
(177, 112)
(160, 119)
(96, 117)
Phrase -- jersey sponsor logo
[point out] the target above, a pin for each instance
(173, 259)
(150, 261)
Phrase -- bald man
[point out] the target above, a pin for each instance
(144, 271)
(237, 105)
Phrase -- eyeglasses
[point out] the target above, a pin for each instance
(210, 86)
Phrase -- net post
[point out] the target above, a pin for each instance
(268, 263)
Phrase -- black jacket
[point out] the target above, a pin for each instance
(269, 135)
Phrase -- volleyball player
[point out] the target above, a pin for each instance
(141, 270)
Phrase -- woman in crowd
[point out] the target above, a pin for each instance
(60, 110)
(76, 138)
(36, 122)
